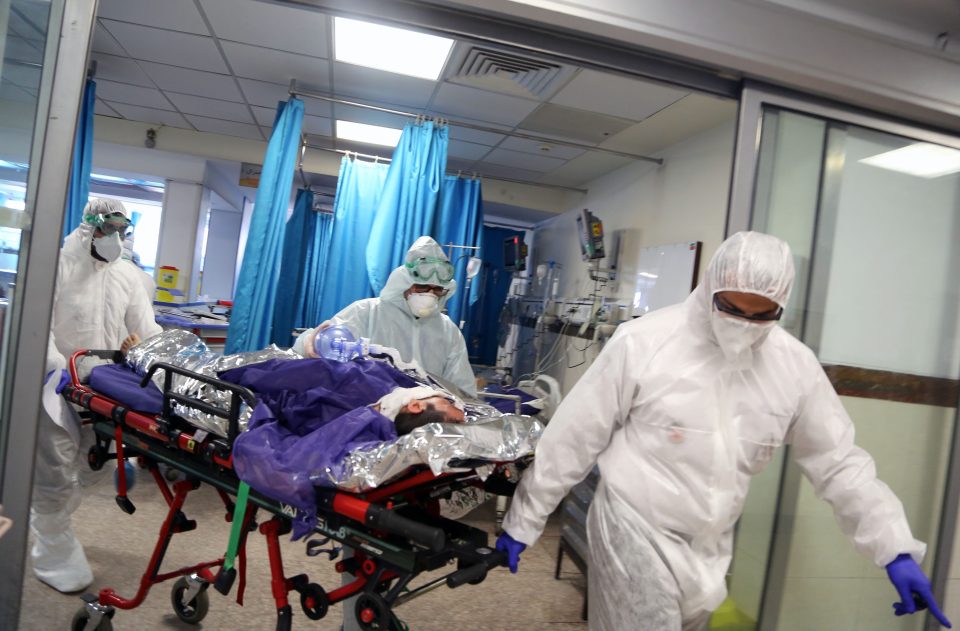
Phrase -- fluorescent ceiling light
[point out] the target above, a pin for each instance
(390, 49)
(370, 134)
(921, 159)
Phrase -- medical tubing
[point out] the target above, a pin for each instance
(478, 570)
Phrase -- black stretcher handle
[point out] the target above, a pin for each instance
(385, 519)
(477, 571)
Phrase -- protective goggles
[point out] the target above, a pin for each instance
(433, 289)
(767, 316)
(426, 270)
(109, 224)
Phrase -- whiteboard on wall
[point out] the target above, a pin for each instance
(666, 274)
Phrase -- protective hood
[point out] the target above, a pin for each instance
(401, 279)
(749, 262)
(77, 244)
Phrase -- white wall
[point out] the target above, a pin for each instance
(685, 199)
(185, 207)
(220, 258)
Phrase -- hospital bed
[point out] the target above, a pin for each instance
(394, 529)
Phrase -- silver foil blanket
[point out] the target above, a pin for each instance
(185, 350)
(442, 446)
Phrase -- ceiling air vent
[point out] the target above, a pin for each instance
(506, 72)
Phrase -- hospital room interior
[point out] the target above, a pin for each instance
(380, 290)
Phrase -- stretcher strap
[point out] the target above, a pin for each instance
(236, 529)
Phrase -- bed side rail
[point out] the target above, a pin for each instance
(238, 394)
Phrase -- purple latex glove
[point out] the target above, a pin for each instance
(513, 548)
(64, 380)
(914, 589)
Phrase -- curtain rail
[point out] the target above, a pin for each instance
(294, 90)
(498, 178)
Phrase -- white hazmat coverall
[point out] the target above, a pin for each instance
(95, 305)
(679, 410)
(434, 341)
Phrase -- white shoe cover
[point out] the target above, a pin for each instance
(58, 558)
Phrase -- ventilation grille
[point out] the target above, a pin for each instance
(506, 72)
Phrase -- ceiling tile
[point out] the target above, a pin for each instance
(132, 94)
(177, 15)
(318, 125)
(687, 117)
(252, 62)
(580, 125)
(186, 81)
(458, 101)
(167, 47)
(523, 160)
(120, 69)
(263, 115)
(376, 85)
(11, 92)
(535, 147)
(263, 94)
(270, 25)
(466, 150)
(475, 135)
(212, 108)
(369, 117)
(227, 128)
(24, 76)
(498, 170)
(26, 27)
(103, 42)
(149, 115)
(23, 50)
(100, 107)
(455, 164)
(622, 96)
(586, 168)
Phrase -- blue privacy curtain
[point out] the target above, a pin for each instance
(460, 222)
(256, 293)
(483, 321)
(82, 163)
(409, 202)
(359, 189)
(306, 244)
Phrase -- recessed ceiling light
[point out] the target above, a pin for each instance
(921, 159)
(370, 134)
(390, 49)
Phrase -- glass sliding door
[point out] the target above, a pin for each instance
(872, 212)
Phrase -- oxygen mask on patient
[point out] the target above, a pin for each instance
(339, 344)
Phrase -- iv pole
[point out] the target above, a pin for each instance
(466, 291)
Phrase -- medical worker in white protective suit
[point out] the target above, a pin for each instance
(679, 410)
(99, 303)
(407, 316)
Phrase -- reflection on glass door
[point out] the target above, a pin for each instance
(874, 223)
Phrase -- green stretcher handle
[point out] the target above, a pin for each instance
(228, 573)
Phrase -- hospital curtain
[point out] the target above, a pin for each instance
(460, 222)
(306, 242)
(410, 199)
(359, 188)
(82, 163)
(251, 319)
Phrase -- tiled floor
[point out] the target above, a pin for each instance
(119, 545)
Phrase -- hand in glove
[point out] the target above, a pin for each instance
(914, 589)
(63, 380)
(513, 548)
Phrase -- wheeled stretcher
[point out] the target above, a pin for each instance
(394, 530)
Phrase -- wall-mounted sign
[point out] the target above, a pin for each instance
(250, 174)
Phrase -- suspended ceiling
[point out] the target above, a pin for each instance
(221, 66)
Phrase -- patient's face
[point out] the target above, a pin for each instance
(451, 413)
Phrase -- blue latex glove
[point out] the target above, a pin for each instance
(513, 548)
(64, 380)
(914, 589)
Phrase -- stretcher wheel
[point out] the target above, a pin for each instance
(81, 621)
(314, 601)
(373, 613)
(193, 612)
(96, 458)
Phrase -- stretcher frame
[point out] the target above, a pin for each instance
(393, 536)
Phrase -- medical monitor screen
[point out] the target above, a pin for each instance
(515, 254)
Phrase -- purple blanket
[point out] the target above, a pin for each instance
(311, 413)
